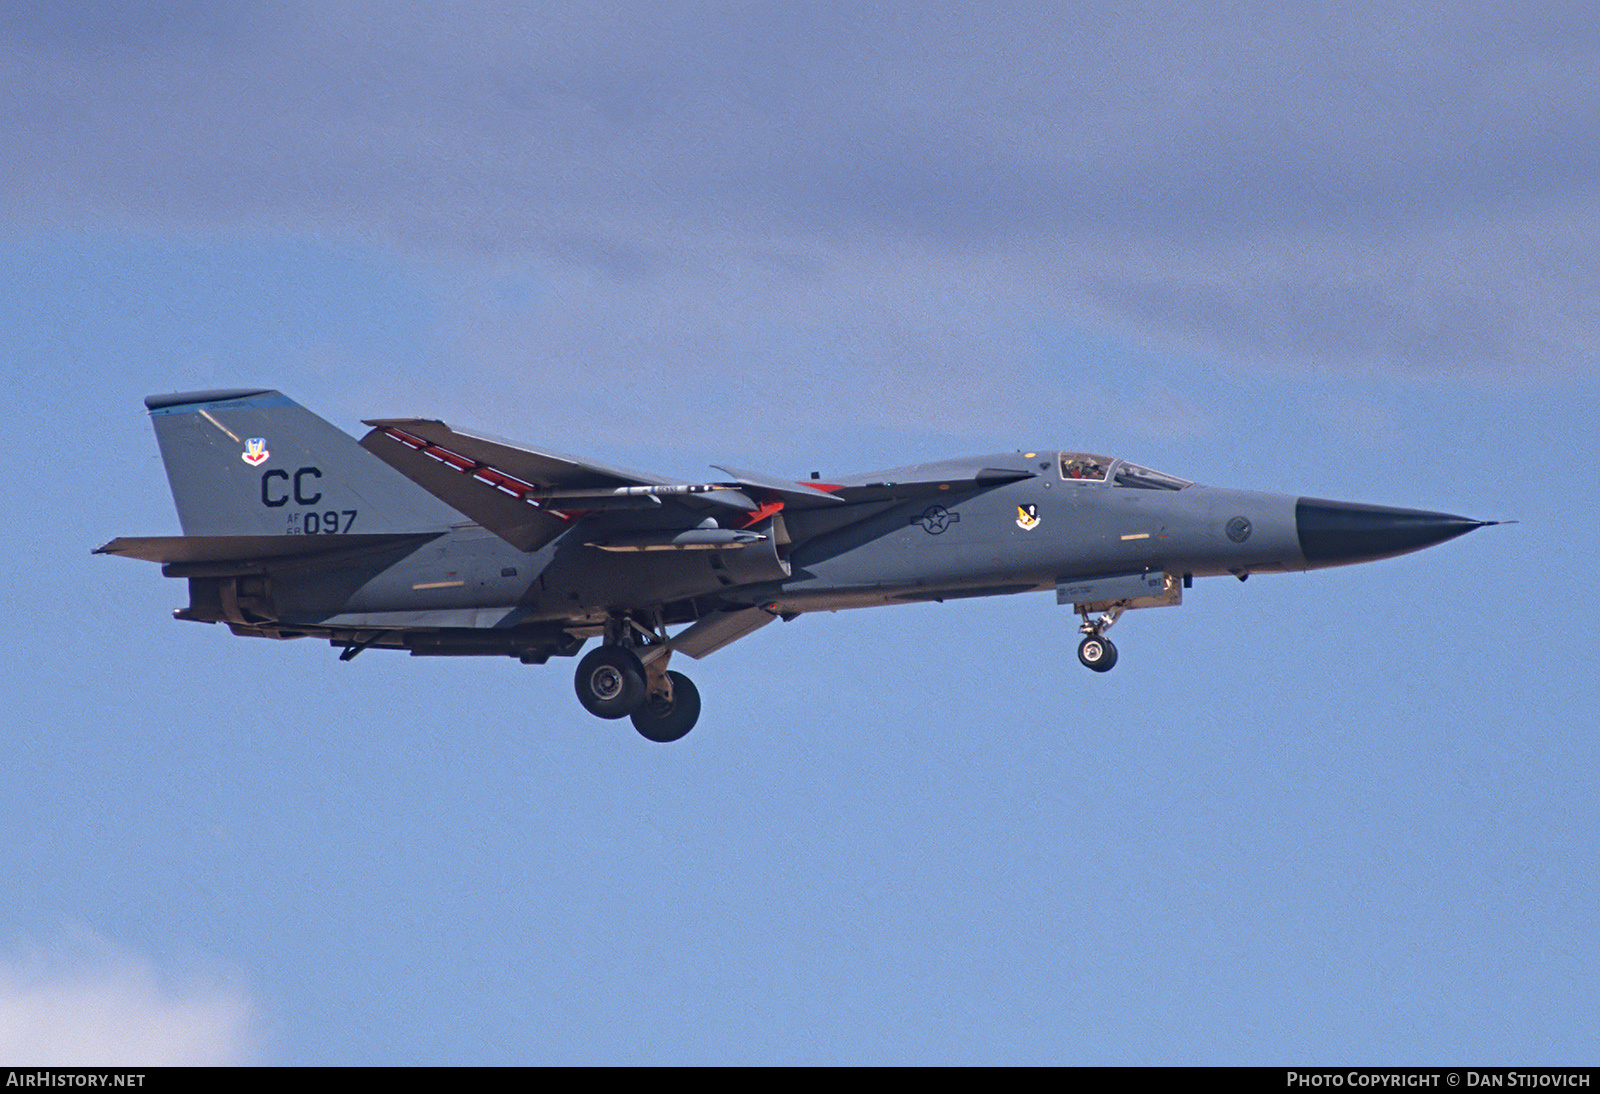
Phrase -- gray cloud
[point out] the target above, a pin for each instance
(1350, 322)
(643, 143)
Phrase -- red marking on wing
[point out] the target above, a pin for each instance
(482, 472)
(763, 513)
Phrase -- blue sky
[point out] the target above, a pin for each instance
(1340, 816)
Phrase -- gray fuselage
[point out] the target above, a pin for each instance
(1028, 534)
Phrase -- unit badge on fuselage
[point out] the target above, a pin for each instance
(1027, 517)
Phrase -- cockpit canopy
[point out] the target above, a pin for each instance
(1087, 467)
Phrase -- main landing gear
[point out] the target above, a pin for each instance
(610, 682)
(628, 678)
(1096, 651)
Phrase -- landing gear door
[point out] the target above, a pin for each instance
(1122, 591)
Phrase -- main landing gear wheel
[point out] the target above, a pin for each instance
(610, 682)
(1097, 653)
(665, 720)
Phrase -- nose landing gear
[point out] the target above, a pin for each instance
(1096, 651)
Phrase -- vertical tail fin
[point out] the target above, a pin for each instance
(255, 463)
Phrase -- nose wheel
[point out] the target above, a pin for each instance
(1096, 651)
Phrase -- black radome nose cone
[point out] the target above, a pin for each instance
(1333, 533)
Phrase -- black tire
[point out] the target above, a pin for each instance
(1097, 653)
(663, 720)
(610, 682)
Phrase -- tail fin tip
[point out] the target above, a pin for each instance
(189, 398)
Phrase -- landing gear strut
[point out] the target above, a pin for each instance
(628, 677)
(1096, 651)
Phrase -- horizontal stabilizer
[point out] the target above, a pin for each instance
(248, 549)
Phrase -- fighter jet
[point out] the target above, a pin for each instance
(438, 541)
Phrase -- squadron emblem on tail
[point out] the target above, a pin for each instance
(255, 451)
